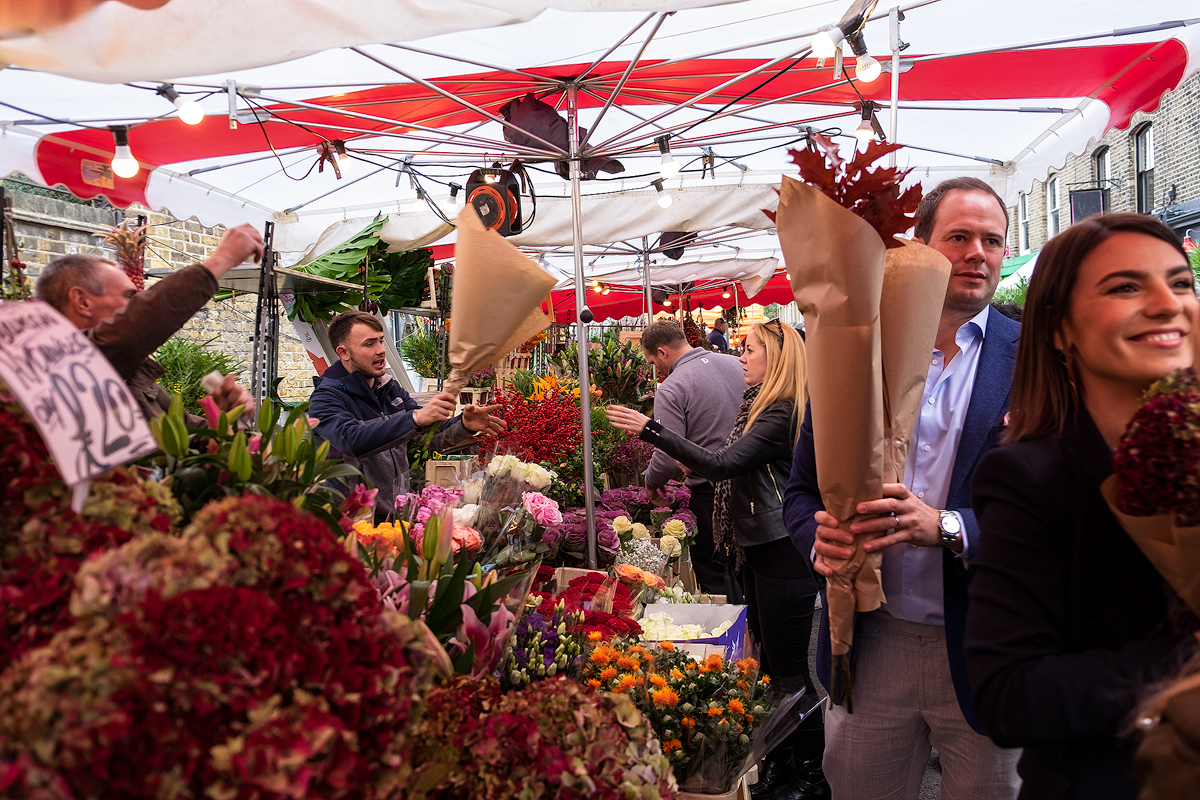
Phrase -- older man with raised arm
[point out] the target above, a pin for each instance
(910, 681)
(128, 326)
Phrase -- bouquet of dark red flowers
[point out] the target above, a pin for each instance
(1154, 490)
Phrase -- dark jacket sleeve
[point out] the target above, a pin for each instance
(152, 317)
(342, 428)
(670, 415)
(803, 499)
(768, 438)
(1031, 686)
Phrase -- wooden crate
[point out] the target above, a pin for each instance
(450, 472)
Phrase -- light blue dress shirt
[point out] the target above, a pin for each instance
(912, 576)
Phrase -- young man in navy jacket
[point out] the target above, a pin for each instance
(368, 418)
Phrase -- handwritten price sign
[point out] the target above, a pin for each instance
(80, 404)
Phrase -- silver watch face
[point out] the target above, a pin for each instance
(949, 523)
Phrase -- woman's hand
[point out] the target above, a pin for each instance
(626, 419)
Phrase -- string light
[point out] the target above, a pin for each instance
(664, 199)
(190, 111)
(867, 69)
(124, 165)
(725, 293)
(669, 167)
(344, 161)
(825, 43)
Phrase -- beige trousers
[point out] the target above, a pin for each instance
(904, 703)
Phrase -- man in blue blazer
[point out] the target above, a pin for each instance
(910, 686)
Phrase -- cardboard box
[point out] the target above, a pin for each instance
(450, 472)
(708, 617)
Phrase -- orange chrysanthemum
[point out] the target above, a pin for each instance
(608, 673)
(688, 722)
(671, 745)
(765, 679)
(602, 656)
(595, 684)
(736, 706)
(714, 662)
(595, 636)
(676, 674)
(628, 662)
(747, 665)
(626, 683)
(665, 697)
(658, 680)
(666, 646)
(715, 711)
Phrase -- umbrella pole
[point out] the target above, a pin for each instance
(581, 335)
(894, 36)
(649, 295)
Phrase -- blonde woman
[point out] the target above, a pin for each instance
(750, 474)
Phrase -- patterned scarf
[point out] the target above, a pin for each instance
(723, 490)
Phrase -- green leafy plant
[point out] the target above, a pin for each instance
(185, 362)
(618, 369)
(283, 461)
(1014, 294)
(394, 280)
(421, 350)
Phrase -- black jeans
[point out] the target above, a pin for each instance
(780, 613)
(714, 570)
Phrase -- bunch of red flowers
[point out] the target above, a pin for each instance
(40, 555)
(574, 743)
(541, 429)
(1157, 464)
(250, 658)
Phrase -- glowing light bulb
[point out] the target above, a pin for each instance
(669, 167)
(190, 111)
(864, 132)
(725, 293)
(825, 43)
(124, 164)
(664, 200)
(667, 302)
(867, 69)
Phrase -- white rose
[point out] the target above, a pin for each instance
(639, 531)
(670, 545)
(472, 489)
(675, 529)
(503, 465)
(621, 525)
(539, 477)
(465, 515)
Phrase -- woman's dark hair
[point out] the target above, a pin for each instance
(1044, 398)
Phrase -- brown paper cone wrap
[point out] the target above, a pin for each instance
(871, 316)
(1173, 550)
(498, 292)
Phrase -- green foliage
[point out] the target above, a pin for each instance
(394, 280)
(771, 311)
(185, 362)
(1013, 294)
(617, 369)
(523, 381)
(1194, 258)
(284, 461)
(421, 350)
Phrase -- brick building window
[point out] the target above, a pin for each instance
(1102, 162)
(1053, 219)
(1022, 223)
(1144, 154)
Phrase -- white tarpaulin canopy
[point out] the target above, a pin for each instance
(1005, 100)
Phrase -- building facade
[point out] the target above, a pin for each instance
(1152, 167)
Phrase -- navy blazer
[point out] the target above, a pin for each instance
(981, 432)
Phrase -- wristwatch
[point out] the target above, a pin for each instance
(950, 527)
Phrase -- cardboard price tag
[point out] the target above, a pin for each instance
(81, 406)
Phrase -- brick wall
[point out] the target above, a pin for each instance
(49, 227)
(1176, 155)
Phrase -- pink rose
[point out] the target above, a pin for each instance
(543, 510)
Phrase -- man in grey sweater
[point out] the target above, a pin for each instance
(698, 400)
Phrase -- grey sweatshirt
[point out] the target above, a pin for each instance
(699, 400)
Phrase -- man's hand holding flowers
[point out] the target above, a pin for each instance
(481, 420)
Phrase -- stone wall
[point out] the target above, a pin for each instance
(1176, 198)
(49, 226)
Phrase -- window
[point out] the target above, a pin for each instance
(1102, 160)
(1144, 145)
(1022, 223)
(1053, 225)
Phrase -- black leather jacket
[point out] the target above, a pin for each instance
(758, 463)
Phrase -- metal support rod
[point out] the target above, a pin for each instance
(581, 331)
(266, 323)
(649, 296)
(894, 36)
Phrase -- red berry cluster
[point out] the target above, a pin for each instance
(539, 431)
